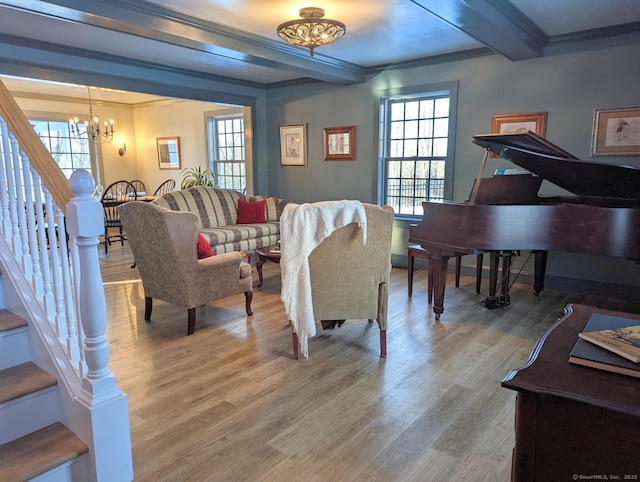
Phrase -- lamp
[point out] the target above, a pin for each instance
(123, 149)
(92, 126)
(311, 30)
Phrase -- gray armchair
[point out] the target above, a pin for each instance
(163, 243)
(349, 280)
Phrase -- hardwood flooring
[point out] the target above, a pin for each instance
(230, 404)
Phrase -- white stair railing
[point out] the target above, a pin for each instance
(54, 261)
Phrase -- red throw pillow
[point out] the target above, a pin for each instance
(251, 212)
(204, 250)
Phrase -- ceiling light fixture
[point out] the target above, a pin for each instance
(92, 126)
(311, 30)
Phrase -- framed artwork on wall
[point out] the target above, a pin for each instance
(339, 143)
(293, 145)
(535, 122)
(168, 152)
(616, 132)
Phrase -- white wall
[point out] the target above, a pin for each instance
(113, 167)
(173, 118)
(138, 126)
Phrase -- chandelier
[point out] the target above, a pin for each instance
(92, 127)
(311, 30)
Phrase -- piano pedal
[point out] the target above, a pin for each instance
(492, 302)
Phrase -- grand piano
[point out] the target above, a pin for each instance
(507, 214)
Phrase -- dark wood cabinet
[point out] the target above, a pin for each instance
(573, 422)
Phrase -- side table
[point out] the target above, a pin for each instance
(270, 253)
(573, 422)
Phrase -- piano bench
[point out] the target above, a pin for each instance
(416, 251)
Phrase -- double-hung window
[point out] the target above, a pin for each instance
(227, 134)
(417, 142)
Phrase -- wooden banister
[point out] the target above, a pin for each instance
(39, 156)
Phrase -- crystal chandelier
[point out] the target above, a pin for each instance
(92, 127)
(311, 30)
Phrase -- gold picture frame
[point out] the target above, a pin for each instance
(616, 132)
(168, 152)
(535, 122)
(339, 143)
(293, 145)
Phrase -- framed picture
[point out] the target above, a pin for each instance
(535, 122)
(616, 132)
(339, 143)
(293, 145)
(168, 152)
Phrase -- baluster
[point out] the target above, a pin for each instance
(4, 199)
(61, 324)
(11, 193)
(72, 339)
(85, 223)
(36, 278)
(22, 218)
(47, 297)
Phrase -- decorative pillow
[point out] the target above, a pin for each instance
(204, 250)
(250, 212)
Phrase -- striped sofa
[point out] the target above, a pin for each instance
(217, 212)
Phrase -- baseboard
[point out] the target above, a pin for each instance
(560, 283)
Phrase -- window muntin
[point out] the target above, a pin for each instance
(416, 144)
(229, 160)
(68, 151)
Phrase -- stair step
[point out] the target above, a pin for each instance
(14, 340)
(23, 379)
(39, 452)
(10, 321)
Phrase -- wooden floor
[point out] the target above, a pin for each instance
(230, 404)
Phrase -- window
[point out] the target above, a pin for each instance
(417, 141)
(227, 134)
(69, 152)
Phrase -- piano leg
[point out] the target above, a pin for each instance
(430, 281)
(479, 263)
(438, 268)
(540, 270)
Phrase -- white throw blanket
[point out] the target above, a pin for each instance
(302, 228)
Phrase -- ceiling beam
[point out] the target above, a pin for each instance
(151, 21)
(496, 23)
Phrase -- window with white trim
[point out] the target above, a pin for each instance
(417, 150)
(227, 134)
(68, 151)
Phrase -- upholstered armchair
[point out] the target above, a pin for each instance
(349, 279)
(163, 243)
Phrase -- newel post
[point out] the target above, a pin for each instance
(85, 223)
(108, 432)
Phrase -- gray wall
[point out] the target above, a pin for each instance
(568, 86)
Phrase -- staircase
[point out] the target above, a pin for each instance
(30, 402)
(50, 451)
(62, 415)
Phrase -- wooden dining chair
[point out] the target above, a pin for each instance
(167, 186)
(114, 195)
(140, 187)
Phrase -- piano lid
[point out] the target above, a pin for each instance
(548, 161)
